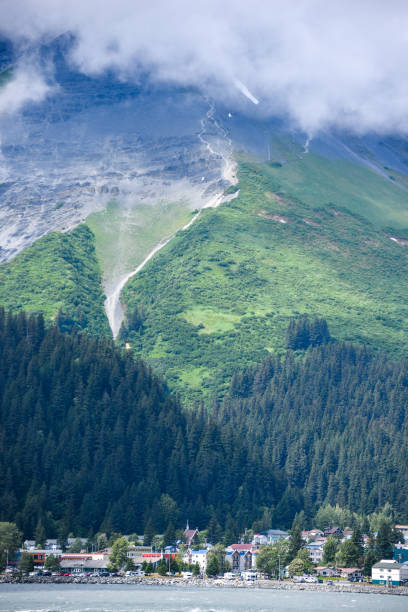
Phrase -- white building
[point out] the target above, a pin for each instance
(389, 572)
(327, 571)
(197, 556)
(315, 552)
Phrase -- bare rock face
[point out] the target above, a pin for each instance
(95, 140)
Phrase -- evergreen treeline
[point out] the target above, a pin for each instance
(90, 440)
(334, 420)
(303, 332)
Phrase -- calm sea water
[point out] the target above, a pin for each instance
(124, 598)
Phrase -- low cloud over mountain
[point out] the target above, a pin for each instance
(321, 64)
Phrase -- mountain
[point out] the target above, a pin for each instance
(149, 225)
(220, 294)
(148, 167)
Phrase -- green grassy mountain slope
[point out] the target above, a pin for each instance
(59, 271)
(378, 193)
(220, 295)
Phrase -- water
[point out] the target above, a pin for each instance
(124, 597)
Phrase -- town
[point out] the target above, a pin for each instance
(309, 556)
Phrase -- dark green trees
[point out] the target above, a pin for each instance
(52, 563)
(303, 332)
(295, 542)
(384, 541)
(213, 565)
(10, 541)
(330, 549)
(334, 420)
(26, 563)
(91, 441)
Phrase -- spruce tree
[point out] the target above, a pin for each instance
(384, 541)
(295, 542)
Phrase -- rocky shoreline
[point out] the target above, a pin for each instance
(339, 587)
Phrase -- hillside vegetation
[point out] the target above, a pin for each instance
(335, 421)
(91, 441)
(378, 193)
(57, 273)
(220, 295)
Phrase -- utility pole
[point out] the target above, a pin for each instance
(279, 577)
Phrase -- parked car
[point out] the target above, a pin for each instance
(310, 579)
(298, 579)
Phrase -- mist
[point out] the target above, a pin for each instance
(318, 64)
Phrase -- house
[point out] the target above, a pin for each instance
(389, 572)
(322, 570)
(83, 541)
(38, 556)
(347, 534)
(401, 553)
(403, 529)
(315, 552)
(52, 545)
(239, 556)
(311, 535)
(171, 549)
(350, 572)
(269, 537)
(190, 535)
(198, 557)
(333, 531)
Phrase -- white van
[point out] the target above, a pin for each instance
(187, 574)
(249, 575)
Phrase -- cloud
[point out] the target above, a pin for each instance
(321, 64)
(26, 86)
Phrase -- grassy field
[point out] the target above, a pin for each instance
(58, 271)
(222, 292)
